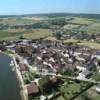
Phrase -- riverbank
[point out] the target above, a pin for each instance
(9, 86)
(23, 89)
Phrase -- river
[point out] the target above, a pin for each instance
(9, 89)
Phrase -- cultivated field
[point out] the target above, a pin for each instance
(36, 33)
(78, 20)
(7, 32)
(18, 21)
(29, 34)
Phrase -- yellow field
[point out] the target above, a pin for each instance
(79, 20)
(71, 26)
(91, 44)
(51, 38)
(29, 34)
(85, 43)
(36, 33)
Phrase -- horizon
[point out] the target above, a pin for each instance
(23, 7)
(49, 13)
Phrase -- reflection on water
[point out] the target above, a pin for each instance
(8, 84)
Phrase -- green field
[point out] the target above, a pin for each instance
(88, 25)
(29, 34)
(18, 21)
(78, 20)
(8, 34)
(91, 94)
(72, 89)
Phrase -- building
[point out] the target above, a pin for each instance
(98, 88)
(22, 66)
(32, 89)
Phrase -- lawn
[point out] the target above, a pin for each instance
(73, 89)
(96, 76)
(70, 89)
(92, 94)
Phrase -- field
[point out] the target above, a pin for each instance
(85, 43)
(71, 26)
(29, 34)
(18, 21)
(36, 18)
(91, 94)
(78, 20)
(89, 25)
(94, 28)
(70, 90)
(8, 32)
(36, 33)
(12, 28)
(73, 89)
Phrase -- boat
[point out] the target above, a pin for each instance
(11, 64)
(13, 69)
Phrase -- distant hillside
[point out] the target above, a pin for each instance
(56, 15)
(70, 14)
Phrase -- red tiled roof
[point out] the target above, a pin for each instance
(32, 88)
(22, 66)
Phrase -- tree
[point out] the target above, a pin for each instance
(58, 36)
(85, 96)
(21, 37)
(2, 48)
(45, 85)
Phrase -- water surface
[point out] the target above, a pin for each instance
(9, 89)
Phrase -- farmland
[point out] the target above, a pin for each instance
(36, 33)
(34, 27)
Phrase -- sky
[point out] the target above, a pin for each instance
(18, 7)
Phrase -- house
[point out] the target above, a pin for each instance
(32, 89)
(98, 88)
(97, 55)
(80, 68)
(43, 97)
(84, 74)
(22, 66)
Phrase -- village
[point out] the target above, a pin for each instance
(46, 66)
(50, 50)
(75, 34)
